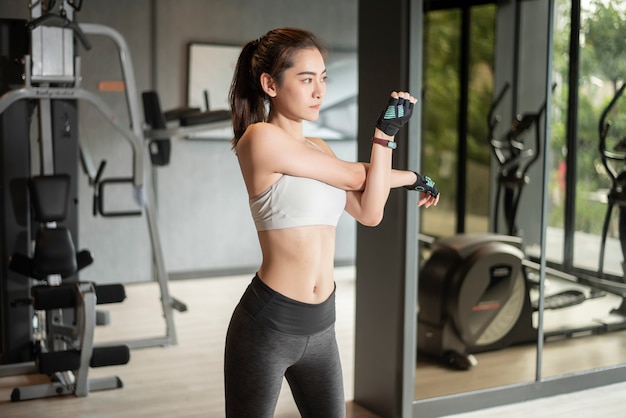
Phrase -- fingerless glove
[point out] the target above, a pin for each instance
(424, 184)
(397, 113)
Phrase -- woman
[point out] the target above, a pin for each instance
(284, 323)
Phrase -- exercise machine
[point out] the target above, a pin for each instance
(473, 296)
(64, 308)
(474, 292)
(48, 316)
(514, 157)
(614, 162)
(147, 154)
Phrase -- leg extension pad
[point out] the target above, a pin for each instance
(110, 356)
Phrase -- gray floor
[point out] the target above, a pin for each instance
(600, 402)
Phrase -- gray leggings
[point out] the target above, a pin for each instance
(259, 353)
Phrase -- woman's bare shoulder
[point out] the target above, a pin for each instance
(261, 130)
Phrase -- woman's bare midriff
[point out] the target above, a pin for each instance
(299, 262)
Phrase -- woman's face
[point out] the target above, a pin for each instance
(300, 95)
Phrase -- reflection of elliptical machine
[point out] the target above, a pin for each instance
(514, 158)
(473, 292)
(617, 193)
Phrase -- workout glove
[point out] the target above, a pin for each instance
(393, 118)
(424, 184)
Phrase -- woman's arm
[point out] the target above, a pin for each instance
(265, 152)
(368, 206)
(399, 178)
(268, 151)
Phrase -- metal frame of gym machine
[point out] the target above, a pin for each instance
(48, 38)
(142, 180)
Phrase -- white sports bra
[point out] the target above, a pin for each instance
(297, 201)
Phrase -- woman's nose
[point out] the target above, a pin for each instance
(319, 90)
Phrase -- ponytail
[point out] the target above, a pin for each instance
(247, 100)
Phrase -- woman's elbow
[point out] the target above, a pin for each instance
(356, 180)
(355, 184)
(371, 219)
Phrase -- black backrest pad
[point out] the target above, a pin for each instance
(49, 197)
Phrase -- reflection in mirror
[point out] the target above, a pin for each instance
(476, 323)
(587, 209)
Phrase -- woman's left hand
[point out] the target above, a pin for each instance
(427, 200)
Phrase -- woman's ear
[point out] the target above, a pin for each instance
(268, 85)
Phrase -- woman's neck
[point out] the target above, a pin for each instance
(292, 127)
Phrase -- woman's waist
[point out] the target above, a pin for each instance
(299, 262)
(284, 314)
(304, 283)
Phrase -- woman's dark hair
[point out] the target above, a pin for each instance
(272, 54)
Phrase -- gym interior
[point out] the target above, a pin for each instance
(124, 214)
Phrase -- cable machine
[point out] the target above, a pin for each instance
(40, 87)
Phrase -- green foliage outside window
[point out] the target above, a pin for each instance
(602, 69)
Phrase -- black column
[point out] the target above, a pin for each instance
(386, 55)
(15, 328)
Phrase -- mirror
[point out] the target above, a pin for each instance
(476, 328)
(589, 332)
(481, 302)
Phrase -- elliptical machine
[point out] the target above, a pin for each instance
(473, 292)
(615, 164)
